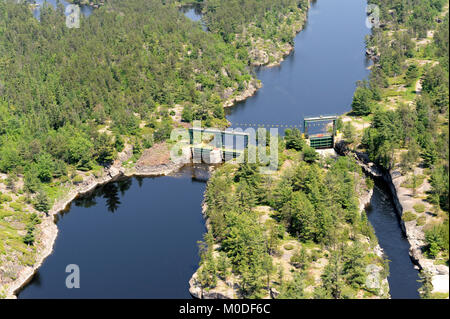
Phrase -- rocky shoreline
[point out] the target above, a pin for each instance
(227, 290)
(261, 58)
(413, 232)
(48, 228)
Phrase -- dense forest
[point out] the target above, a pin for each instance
(406, 102)
(123, 66)
(307, 210)
(71, 99)
(263, 28)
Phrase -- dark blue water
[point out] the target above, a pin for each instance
(403, 277)
(136, 238)
(320, 75)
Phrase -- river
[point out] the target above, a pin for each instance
(146, 247)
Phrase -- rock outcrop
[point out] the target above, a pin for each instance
(402, 200)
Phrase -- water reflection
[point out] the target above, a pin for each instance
(146, 249)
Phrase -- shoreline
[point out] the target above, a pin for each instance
(413, 233)
(197, 292)
(49, 229)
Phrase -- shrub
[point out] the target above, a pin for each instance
(408, 216)
(437, 239)
(78, 179)
(420, 208)
(5, 198)
(421, 221)
(42, 203)
(16, 206)
(369, 183)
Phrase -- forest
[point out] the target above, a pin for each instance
(308, 210)
(257, 27)
(406, 102)
(124, 66)
(72, 99)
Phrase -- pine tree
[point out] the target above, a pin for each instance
(427, 286)
(42, 203)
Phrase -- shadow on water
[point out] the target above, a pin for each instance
(146, 249)
(403, 277)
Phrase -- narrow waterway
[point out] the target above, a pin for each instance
(320, 75)
(137, 238)
(403, 278)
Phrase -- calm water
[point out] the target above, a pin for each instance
(320, 75)
(136, 238)
(141, 242)
(403, 277)
(195, 14)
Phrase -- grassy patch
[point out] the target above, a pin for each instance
(409, 182)
(439, 295)
(420, 208)
(408, 216)
(421, 221)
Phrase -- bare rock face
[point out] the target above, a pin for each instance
(196, 291)
(250, 89)
(440, 283)
(372, 54)
(259, 57)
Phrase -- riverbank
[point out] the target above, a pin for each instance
(262, 52)
(229, 288)
(48, 230)
(407, 172)
(413, 229)
(265, 53)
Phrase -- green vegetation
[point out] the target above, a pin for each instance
(437, 239)
(72, 99)
(406, 100)
(420, 208)
(313, 214)
(409, 216)
(255, 28)
(126, 71)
